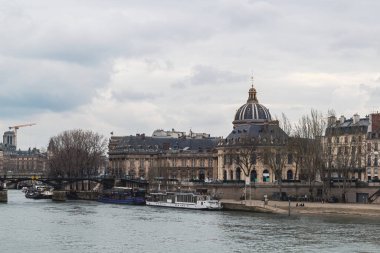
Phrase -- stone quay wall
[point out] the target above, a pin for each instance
(258, 191)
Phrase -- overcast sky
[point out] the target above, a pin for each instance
(136, 66)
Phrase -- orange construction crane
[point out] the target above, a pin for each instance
(16, 128)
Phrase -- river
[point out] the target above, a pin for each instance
(28, 225)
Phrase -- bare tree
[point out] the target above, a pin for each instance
(76, 153)
(308, 147)
(277, 157)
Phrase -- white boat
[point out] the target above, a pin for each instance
(183, 200)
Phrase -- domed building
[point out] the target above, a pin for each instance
(256, 149)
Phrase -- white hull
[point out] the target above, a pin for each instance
(204, 205)
(183, 200)
(177, 205)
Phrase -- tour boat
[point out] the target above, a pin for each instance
(123, 195)
(183, 200)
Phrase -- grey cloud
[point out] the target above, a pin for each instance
(123, 96)
(207, 75)
(373, 95)
(37, 86)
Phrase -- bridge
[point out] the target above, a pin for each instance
(61, 183)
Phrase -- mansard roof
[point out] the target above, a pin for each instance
(348, 127)
(153, 144)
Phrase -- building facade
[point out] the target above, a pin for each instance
(167, 154)
(20, 162)
(175, 155)
(352, 147)
(256, 150)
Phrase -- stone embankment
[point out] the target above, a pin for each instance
(282, 207)
(251, 206)
(82, 195)
(371, 210)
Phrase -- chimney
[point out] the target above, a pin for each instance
(356, 118)
(342, 119)
(331, 120)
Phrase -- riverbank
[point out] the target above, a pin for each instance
(309, 208)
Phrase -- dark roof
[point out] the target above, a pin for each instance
(252, 112)
(348, 126)
(257, 132)
(141, 143)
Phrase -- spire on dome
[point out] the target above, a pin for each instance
(252, 93)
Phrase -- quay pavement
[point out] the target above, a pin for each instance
(317, 208)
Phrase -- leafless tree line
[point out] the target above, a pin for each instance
(76, 153)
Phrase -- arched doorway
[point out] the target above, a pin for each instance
(238, 174)
(266, 177)
(231, 175)
(253, 176)
(224, 175)
(289, 175)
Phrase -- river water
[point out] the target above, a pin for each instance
(28, 225)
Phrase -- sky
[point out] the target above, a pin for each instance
(132, 67)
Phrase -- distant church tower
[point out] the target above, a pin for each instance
(9, 140)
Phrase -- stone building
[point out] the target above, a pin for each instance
(1, 161)
(176, 155)
(20, 162)
(168, 155)
(29, 162)
(352, 147)
(256, 149)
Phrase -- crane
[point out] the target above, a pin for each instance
(18, 126)
(15, 130)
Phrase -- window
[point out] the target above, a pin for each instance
(202, 162)
(375, 162)
(368, 146)
(290, 157)
(376, 146)
(278, 158)
(253, 158)
(266, 159)
(345, 139)
(369, 161)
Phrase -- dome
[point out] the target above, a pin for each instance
(252, 111)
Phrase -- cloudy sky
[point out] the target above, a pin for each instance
(135, 66)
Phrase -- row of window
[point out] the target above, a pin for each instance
(230, 159)
(174, 162)
(345, 139)
(253, 175)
